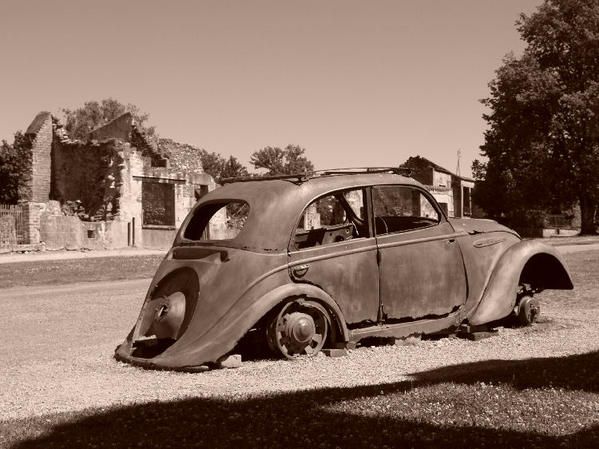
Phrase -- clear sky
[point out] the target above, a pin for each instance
(355, 82)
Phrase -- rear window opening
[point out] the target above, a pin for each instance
(217, 221)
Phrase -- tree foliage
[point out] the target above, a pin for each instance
(221, 168)
(93, 114)
(542, 143)
(15, 163)
(285, 161)
(232, 168)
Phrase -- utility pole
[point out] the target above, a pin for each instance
(457, 170)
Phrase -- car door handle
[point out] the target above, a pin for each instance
(300, 270)
(450, 241)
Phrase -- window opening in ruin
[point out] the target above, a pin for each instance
(158, 203)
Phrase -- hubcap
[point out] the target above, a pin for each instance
(300, 327)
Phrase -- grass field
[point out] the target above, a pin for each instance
(53, 272)
(536, 402)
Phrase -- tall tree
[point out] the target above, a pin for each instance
(81, 121)
(542, 143)
(15, 165)
(286, 161)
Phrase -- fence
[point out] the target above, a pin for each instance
(12, 226)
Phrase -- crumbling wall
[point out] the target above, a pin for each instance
(89, 173)
(40, 135)
(58, 231)
(182, 157)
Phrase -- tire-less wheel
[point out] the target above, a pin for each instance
(300, 328)
(529, 308)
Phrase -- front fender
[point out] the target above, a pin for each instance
(531, 258)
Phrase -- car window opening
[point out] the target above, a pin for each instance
(333, 218)
(217, 221)
(402, 208)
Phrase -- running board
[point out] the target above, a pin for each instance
(403, 330)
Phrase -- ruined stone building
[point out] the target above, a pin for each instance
(114, 190)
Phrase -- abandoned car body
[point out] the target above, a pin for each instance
(327, 260)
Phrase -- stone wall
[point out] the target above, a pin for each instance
(137, 169)
(58, 231)
(104, 178)
(41, 134)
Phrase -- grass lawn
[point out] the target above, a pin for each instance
(53, 272)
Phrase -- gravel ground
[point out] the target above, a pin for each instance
(62, 362)
(44, 373)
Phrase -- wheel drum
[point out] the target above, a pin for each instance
(528, 311)
(300, 328)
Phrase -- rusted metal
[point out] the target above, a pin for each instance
(362, 278)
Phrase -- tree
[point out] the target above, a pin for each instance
(15, 165)
(220, 168)
(81, 121)
(232, 168)
(542, 143)
(277, 161)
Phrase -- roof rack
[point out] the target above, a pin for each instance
(360, 170)
(303, 177)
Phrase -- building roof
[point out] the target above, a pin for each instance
(440, 169)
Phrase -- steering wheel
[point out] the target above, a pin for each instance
(377, 222)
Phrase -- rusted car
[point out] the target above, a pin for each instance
(326, 260)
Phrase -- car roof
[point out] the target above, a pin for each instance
(276, 204)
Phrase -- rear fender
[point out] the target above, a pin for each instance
(223, 337)
(530, 261)
(272, 299)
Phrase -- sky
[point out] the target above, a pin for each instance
(355, 83)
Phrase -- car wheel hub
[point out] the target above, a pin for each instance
(169, 315)
(300, 328)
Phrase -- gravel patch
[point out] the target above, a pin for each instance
(85, 375)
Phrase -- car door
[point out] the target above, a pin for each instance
(334, 248)
(421, 268)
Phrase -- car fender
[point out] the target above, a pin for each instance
(262, 306)
(538, 260)
(221, 338)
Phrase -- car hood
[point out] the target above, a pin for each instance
(479, 226)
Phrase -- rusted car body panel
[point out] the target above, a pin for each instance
(422, 281)
(499, 297)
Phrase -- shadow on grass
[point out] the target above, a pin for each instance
(575, 372)
(302, 419)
